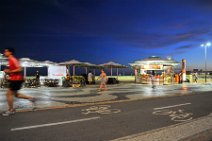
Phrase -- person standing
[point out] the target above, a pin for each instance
(2, 79)
(37, 78)
(15, 81)
(90, 77)
(103, 80)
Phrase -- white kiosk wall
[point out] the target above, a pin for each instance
(57, 72)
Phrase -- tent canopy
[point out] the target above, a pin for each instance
(71, 63)
(49, 63)
(27, 62)
(154, 60)
(112, 65)
(90, 65)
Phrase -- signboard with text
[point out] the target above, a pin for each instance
(152, 67)
(56, 72)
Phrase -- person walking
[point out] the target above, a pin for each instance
(103, 80)
(152, 76)
(15, 81)
(195, 77)
(181, 77)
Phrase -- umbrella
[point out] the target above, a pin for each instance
(90, 65)
(73, 63)
(113, 65)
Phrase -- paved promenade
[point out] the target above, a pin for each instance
(47, 97)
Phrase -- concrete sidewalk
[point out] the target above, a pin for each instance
(195, 130)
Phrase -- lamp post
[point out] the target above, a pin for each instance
(206, 45)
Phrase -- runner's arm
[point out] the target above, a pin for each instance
(19, 69)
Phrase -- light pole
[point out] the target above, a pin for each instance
(206, 45)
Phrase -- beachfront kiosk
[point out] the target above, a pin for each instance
(163, 68)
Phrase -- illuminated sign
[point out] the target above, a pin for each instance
(152, 67)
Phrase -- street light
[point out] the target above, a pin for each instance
(206, 45)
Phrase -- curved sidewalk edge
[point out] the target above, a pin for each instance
(196, 130)
(203, 136)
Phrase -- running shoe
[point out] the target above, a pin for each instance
(8, 113)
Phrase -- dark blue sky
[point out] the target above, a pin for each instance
(99, 31)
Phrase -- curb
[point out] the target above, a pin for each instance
(196, 130)
(202, 136)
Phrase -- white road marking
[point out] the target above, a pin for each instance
(100, 109)
(160, 108)
(53, 124)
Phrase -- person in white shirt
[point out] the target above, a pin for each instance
(152, 76)
(90, 77)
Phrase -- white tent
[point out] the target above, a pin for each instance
(49, 63)
(27, 62)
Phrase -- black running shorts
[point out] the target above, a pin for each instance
(15, 85)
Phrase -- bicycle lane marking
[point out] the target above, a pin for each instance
(100, 109)
(178, 115)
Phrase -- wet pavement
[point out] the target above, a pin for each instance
(51, 97)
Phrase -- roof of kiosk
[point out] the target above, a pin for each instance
(154, 60)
